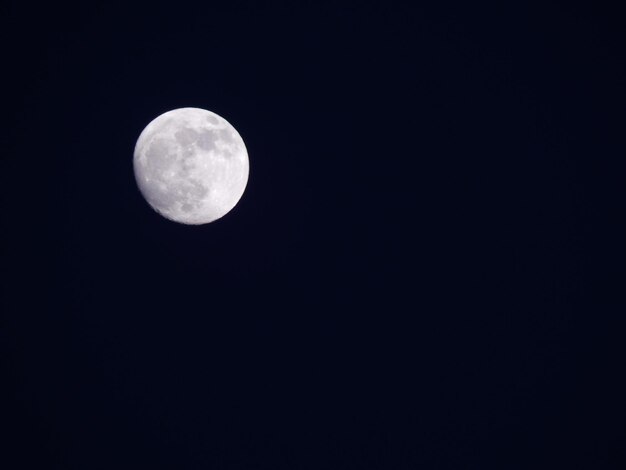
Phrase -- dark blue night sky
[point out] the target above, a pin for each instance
(426, 271)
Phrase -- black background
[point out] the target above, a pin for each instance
(426, 270)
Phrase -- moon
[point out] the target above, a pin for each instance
(191, 165)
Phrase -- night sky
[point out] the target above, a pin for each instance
(427, 269)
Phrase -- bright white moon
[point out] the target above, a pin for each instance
(191, 165)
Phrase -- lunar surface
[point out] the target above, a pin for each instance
(191, 165)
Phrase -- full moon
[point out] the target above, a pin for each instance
(191, 165)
